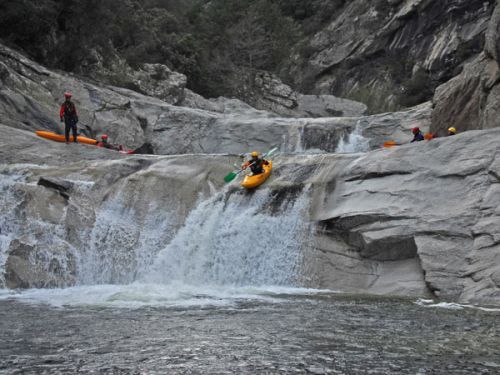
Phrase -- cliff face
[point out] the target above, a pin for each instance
(471, 99)
(387, 54)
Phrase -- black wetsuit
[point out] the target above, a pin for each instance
(70, 116)
(257, 166)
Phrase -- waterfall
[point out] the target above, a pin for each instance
(231, 238)
(355, 142)
(130, 250)
(8, 226)
(237, 240)
(127, 234)
(38, 240)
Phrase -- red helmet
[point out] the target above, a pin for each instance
(415, 130)
(104, 136)
(68, 95)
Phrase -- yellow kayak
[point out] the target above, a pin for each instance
(252, 181)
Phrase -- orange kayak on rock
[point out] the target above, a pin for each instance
(253, 181)
(60, 138)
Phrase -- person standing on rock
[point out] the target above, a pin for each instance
(417, 135)
(69, 115)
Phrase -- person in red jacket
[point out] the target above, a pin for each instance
(69, 115)
(105, 144)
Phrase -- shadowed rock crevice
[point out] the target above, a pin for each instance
(61, 186)
(373, 175)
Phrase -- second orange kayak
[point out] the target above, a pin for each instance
(60, 138)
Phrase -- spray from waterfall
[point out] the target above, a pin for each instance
(355, 142)
(237, 240)
(8, 226)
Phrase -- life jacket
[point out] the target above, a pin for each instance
(68, 110)
(104, 144)
(257, 166)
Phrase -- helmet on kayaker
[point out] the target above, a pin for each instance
(254, 154)
(104, 137)
(68, 95)
(452, 130)
(415, 130)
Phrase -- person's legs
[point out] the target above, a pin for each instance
(73, 127)
(67, 126)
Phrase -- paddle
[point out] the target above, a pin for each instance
(390, 144)
(427, 137)
(231, 176)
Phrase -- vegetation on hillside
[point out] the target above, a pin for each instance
(218, 44)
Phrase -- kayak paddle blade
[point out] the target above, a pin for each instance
(390, 144)
(230, 177)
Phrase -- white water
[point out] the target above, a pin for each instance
(123, 242)
(54, 254)
(235, 241)
(355, 142)
(452, 305)
(137, 295)
(232, 246)
(8, 226)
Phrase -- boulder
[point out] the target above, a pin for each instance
(159, 81)
(30, 266)
(267, 92)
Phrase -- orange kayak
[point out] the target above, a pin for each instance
(60, 138)
(253, 181)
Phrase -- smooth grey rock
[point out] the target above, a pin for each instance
(415, 220)
(269, 93)
(29, 101)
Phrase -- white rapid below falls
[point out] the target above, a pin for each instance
(235, 240)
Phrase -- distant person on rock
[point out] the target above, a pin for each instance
(105, 144)
(256, 163)
(417, 135)
(69, 115)
(452, 131)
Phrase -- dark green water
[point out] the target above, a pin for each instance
(291, 334)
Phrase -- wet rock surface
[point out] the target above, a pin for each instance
(419, 219)
(329, 334)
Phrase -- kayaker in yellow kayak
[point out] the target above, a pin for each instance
(255, 163)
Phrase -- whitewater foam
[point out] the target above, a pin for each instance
(137, 295)
(236, 240)
(453, 305)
